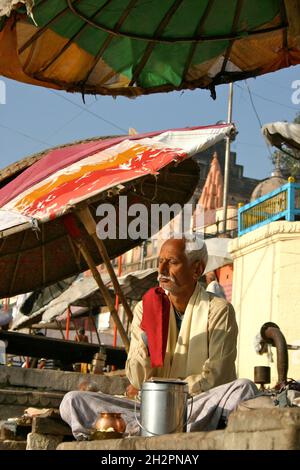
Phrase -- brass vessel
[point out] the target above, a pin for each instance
(110, 422)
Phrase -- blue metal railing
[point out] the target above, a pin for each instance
(282, 203)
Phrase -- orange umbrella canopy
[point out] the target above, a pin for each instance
(134, 47)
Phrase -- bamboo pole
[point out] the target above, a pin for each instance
(76, 235)
(117, 299)
(90, 225)
(95, 326)
(104, 291)
(60, 328)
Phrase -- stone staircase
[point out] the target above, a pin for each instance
(252, 429)
(42, 389)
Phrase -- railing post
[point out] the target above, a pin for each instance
(291, 203)
(240, 205)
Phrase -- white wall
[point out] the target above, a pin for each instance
(266, 287)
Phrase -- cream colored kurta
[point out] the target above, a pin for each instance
(204, 351)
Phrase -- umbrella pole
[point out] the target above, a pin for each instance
(117, 299)
(115, 329)
(74, 232)
(106, 295)
(90, 225)
(74, 323)
(95, 326)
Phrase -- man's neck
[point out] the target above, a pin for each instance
(181, 300)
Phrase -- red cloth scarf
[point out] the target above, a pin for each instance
(155, 322)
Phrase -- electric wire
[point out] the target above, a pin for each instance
(90, 112)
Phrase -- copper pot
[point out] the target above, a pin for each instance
(110, 421)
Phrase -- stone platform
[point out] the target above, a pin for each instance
(252, 429)
(264, 429)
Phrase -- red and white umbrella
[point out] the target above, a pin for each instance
(48, 228)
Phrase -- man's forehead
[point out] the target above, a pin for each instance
(174, 247)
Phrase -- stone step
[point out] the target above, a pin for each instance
(57, 380)
(42, 432)
(37, 441)
(264, 419)
(11, 411)
(39, 399)
(13, 445)
(212, 440)
(263, 429)
(15, 430)
(55, 426)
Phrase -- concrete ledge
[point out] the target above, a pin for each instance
(181, 441)
(264, 429)
(279, 439)
(266, 234)
(263, 419)
(58, 380)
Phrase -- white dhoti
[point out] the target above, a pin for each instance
(81, 409)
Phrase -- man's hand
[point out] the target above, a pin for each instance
(193, 385)
(131, 391)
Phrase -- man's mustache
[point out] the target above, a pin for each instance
(163, 276)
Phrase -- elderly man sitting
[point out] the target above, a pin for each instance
(178, 331)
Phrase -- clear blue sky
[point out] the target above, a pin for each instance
(35, 118)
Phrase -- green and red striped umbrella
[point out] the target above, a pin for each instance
(134, 47)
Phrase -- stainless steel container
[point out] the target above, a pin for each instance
(163, 407)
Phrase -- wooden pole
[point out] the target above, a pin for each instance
(76, 235)
(75, 327)
(115, 329)
(117, 299)
(90, 225)
(95, 326)
(104, 291)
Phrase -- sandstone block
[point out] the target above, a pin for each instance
(42, 441)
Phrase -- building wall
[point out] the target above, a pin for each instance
(225, 276)
(266, 288)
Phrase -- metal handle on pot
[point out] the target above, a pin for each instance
(153, 433)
